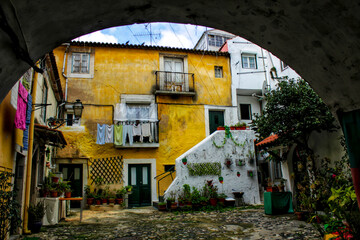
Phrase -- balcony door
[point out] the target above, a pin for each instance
(174, 74)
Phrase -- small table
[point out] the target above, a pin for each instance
(278, 203)
(75, 199)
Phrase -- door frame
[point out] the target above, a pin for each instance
(77, 161)
(152, 163)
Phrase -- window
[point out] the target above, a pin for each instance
(248, 61)
(44, 100)
(245, 111)
(211, 39)
(217, 41)
(283, 66)
(173, 75)
(138, 112)
(218, 71)
(80, 63)
(168, 168)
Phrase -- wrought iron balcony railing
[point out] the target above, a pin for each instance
(174, 83)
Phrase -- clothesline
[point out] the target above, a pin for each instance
(126, 131)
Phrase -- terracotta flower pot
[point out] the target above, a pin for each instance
(213, 201)
(174, 205)
(220, 128)
(162, 207)
(98, 202)
(55, 179)
(53, 193)
(104, 201)
(68, 194)
(232, 128)
(111, 200)
(119, 201)
(90, 201)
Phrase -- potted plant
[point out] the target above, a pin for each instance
(240, 126)
(195, 198)
(171, 200)
(36, 214)
(53, 191)
(220, 128)
(68, 192)
(129, 189)
(213, 193)
(61, 187)
(221, 198)
(162, 206)
(89, 195)
(45, 188)
(187, 195)
(111, 197)
(53, 177)
(120, 194)
(98, 196)
(228, 161)
(281, 185)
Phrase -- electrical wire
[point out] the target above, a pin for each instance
(198, 71)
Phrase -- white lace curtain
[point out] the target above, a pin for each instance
(131, 112)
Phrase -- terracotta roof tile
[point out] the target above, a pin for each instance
(268, 140)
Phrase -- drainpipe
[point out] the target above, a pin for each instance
(63, 70)
(29, 160)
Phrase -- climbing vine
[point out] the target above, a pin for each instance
(228, 135)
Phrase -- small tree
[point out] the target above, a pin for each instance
(293, 111)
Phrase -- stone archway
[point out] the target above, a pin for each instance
(319, 38)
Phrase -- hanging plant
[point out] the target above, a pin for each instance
(238, 174)
(250, 173)
(240, 162)
(221, 180)
(184, 161)
(228, 161)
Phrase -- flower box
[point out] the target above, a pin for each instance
(220, 128)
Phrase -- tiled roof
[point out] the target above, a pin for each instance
(173, 49)
(268, 140)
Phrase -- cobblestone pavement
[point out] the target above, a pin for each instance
(148, 223)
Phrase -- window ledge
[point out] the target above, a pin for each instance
(138, 145)
(160, 92)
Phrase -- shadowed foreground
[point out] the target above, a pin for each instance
(147, 223)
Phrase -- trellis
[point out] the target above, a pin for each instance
(109, 170)
(203, 169)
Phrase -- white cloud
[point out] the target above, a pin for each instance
(98, 37)
(180, 40)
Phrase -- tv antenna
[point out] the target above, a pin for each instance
(150, 33)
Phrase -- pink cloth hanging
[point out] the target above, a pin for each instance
(20, 116)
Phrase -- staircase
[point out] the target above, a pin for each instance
(229, 156)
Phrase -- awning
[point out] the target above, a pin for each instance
(48, 136)
(267, 141)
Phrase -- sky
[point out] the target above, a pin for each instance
(164, 34)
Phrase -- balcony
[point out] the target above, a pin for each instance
(141, 142)
(175, 83)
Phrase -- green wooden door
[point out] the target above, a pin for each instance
(139, 179)
(74, 174)
(216, 119)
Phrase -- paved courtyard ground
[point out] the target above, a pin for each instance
(148, 223)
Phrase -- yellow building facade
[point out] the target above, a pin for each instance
(119, 84)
